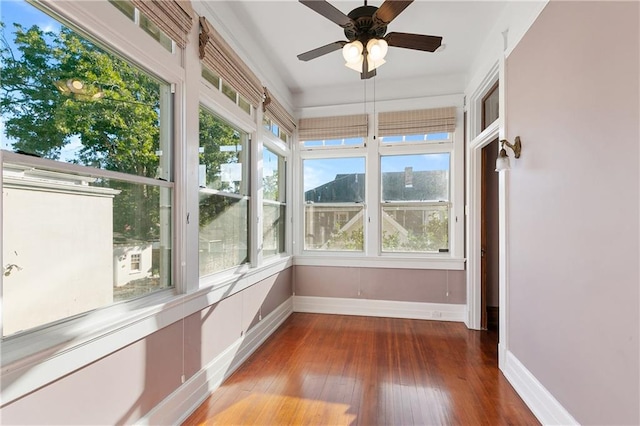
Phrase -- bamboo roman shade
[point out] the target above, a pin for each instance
(278, 113)
(417, 122)
(221, 59)
(174, 17)
(340, 127)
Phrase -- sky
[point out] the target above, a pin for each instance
(23, 13)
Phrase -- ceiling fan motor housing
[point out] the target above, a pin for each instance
(362, 30)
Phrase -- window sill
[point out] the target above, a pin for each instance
(394, 261)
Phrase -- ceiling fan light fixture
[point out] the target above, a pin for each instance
(373, 64)
(352, 52)
(357, 65)
(377, 49)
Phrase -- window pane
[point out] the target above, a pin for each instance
(155, 32)
(274, 224)
(415, 228)
(330, 184)
(224, 156)
(229, 92)
(331, 180)
(64, 98)
(224, 215)
(490, 107)
(73, 243)
(211, 77)
(422, 177)
(273, 208)
(334, 227)
(223, 239)
(126, 7)
(273, 174)
(334, 142)
(244, 105)
(429, 137)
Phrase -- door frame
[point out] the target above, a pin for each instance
(477, 140)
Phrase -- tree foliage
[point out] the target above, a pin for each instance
(117, 129)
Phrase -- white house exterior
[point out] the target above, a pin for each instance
(57, 247)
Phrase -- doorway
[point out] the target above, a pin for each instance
(489, 242)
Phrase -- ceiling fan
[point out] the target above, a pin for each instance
(365, 28)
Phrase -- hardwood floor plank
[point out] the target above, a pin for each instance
(345, 370)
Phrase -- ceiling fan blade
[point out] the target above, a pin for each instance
(328, 11)
(423, 42)
(328, 48)
(388, 11)
(365, 74)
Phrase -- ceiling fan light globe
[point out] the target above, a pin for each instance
(75, 85)
(357, 65)
(377, 49)
(373, 64)
(352, 52)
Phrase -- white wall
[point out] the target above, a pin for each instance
(60, 237)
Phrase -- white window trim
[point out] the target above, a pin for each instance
(307, 154)
(277, 146)
(372, 150)
(44, 354)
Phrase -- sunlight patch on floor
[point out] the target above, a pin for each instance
(266, 409)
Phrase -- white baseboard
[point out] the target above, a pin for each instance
(539, 400)
(379, 308)
(175, 408)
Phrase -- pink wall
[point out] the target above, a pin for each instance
(407, 285)
(124, 386)
(572, 207)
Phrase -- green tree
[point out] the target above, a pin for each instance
(114, 116)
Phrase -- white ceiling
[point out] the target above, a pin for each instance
(284, 29)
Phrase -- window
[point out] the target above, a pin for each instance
(135, 262)
(415, 203)
(224, 195)
(333, 132)
(273, 204)
(273, 127)
(217, 83)
(89, 178)
(490, 106)
(133, 13)
(419, 138)
(334, 196)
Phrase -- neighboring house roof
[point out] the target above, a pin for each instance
(344, 188)
(409, 185)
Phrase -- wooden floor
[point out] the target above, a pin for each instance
(346, 370)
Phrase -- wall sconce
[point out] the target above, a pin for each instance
(502, 162)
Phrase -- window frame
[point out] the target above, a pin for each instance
(416, 149)
(326, 154)
(212, 99)
(90, 335)
(456, 187)
(373, 149)
(279, 147)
